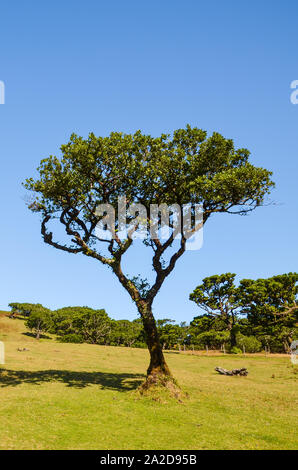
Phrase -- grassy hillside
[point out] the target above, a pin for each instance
(81, 396)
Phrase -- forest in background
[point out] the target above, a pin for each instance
(257, 315)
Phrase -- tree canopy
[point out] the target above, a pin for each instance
(269, 307)
(39, 320)
(218, 295)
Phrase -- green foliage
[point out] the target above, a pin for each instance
(93, 325)
(39, 320)
(184, 168)
(268, 299)
(218, 296)
(71, 338)
(81, 324)
(259, 314)
(126, 333)
(271, 307)
(249, 344)
(213, 339)
(235, 350)
(170, 334)
(189, 167)
(215, 293)
(23, 309)
(62, 320)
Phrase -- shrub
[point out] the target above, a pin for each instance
(139, 344)
(235, 350)
(39, 320)
(71, 338)
(251, 343)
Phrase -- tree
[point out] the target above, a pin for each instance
(39, 320)
(93, 325)
(218, 296)
(62, 319)
(271, 306)
(24, 309)
(126, 333)
(209, 330)
(168, 333)
(187, 168)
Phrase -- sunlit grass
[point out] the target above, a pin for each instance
(80, 396)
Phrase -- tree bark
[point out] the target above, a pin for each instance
(222, 371)
(158, 371)
(233, 338)
(231, 328)
(158, 365)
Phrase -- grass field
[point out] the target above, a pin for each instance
(81, 396)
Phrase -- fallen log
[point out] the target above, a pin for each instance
(222, 371)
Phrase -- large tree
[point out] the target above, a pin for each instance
(271, 306)
(218, 296)
(187, 167)
(18, 308)
(39, 320)
(93, 325)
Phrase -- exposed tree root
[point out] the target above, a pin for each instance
(161, 387)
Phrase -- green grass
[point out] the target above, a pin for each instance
(80, 396)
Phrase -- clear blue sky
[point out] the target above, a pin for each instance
(99, 66)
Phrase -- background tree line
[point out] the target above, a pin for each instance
(255, 315)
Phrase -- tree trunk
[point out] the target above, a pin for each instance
(231, 328)
(233, 338)
(158, 365)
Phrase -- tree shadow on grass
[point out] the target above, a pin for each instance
(32, 335)
(106, 380)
